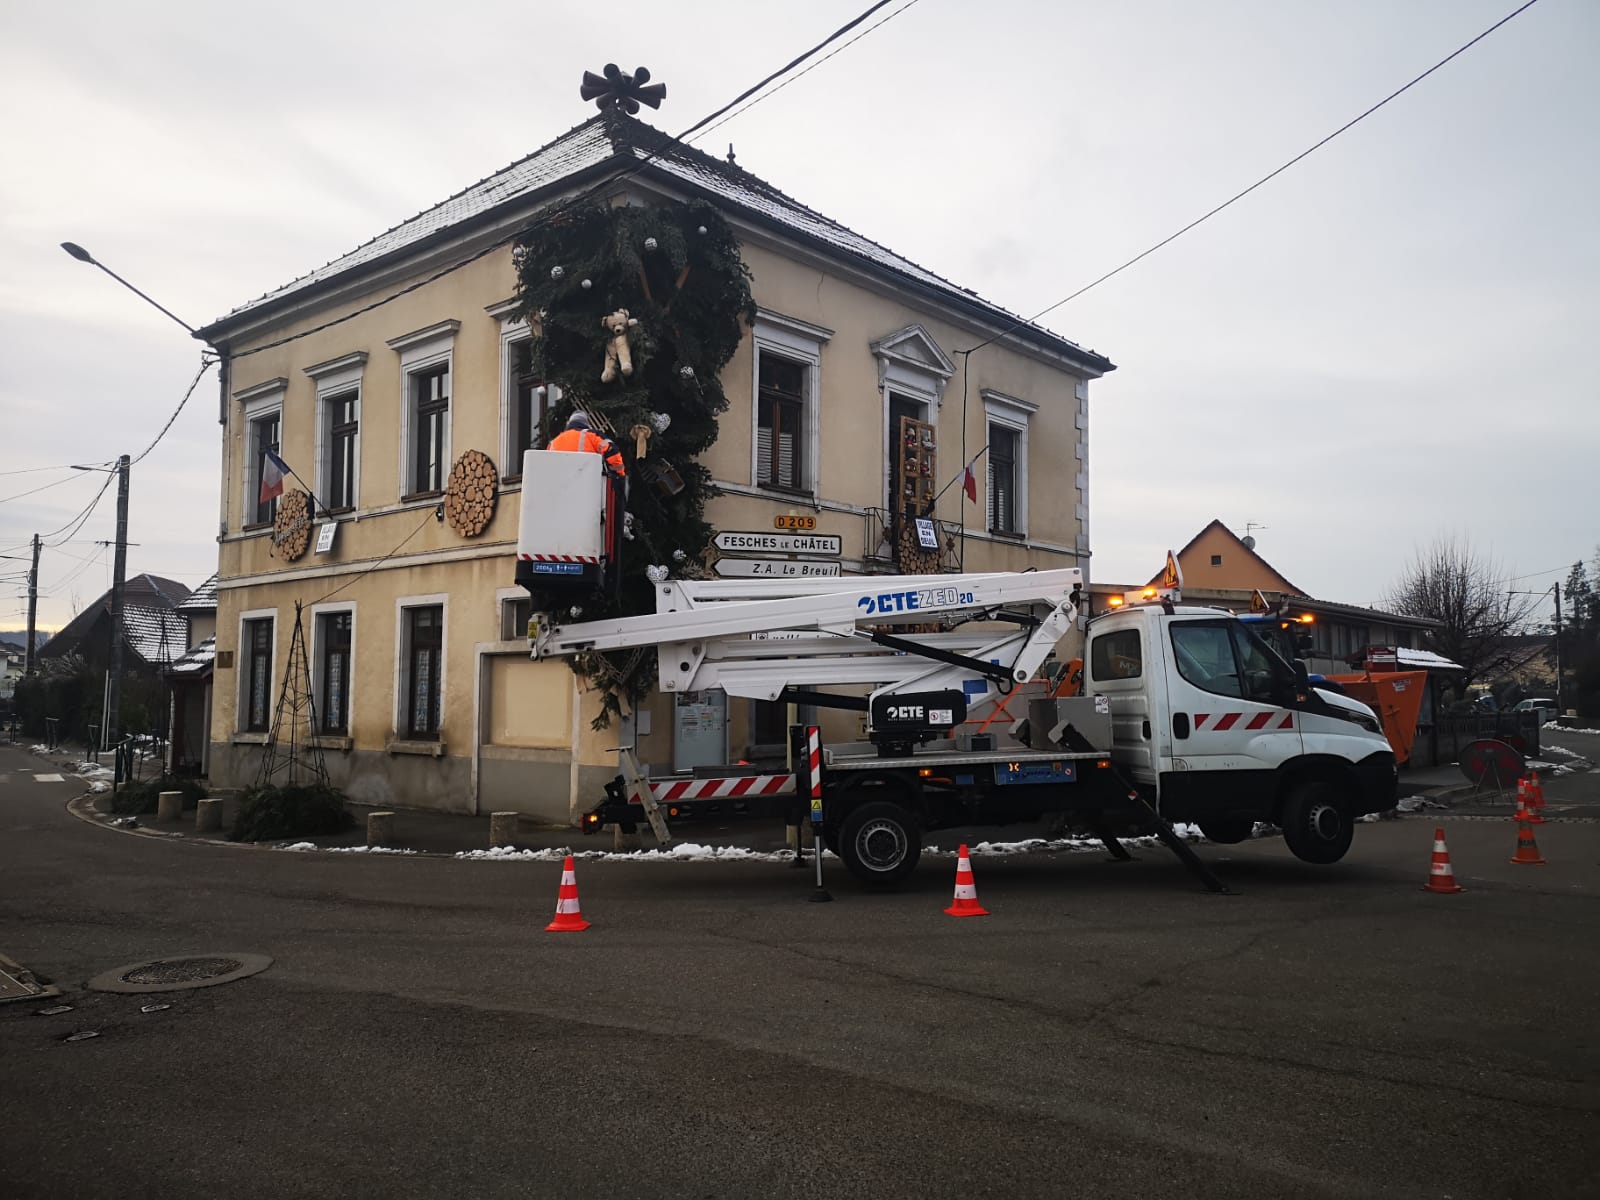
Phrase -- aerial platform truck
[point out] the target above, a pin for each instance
(1103, 757)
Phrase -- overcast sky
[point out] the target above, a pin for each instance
(1380, 346)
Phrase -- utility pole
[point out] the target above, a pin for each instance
(119, 572)
(33, 606)
(1559, 709)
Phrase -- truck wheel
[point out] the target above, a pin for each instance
(880, 842)
(1227, 832)
(1317, 823)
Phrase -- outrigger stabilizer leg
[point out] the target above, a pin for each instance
(1162, 828)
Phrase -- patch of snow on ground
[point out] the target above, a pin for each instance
(300, 846)
(1547, 725)
(89, 770)
(1561, 750)
(367, 850)
(1550, 768)
(99, 785)
(40, 749)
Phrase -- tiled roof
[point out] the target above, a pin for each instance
(198, 660)
(202, 599)
(626, 142)
(142, 591)
(156, 635)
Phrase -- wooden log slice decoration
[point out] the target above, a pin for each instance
(470, 494)
(291, 529)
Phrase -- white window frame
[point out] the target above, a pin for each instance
(511, 334)
(263, 400)
(241, 712)
(1013, 414)
(503, 597)
(802, 342)
(402, 659)
(420, 351)
(336, 379)
(317, 612)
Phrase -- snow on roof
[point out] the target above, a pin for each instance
(198, 660)
(1425, 659)
(154, 634)
(202, 599)
(629, 142)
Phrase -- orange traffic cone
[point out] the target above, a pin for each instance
(1535, 799)
(966, 902)
(1441, 878)
(569, 917)
(1527, 854)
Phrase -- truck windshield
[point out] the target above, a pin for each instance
(1226, 658)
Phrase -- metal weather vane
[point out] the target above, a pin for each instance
(625, 93)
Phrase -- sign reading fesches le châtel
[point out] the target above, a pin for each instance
(748, 541)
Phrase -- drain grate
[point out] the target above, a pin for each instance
(182, 970)
(179, 973)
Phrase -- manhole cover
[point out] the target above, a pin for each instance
(179, 973)
(182, 970)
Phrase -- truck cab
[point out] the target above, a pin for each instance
(1218, 729)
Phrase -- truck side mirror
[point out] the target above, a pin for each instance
(1302, 681)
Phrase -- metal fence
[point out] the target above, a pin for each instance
(1448, 734)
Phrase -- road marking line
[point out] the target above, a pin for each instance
(51, 778)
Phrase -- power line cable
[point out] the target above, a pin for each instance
(1168, 240)
(802, 74)
(206, 363)
(552, 213)
(375, 565)
(76, 523)
(42, 488)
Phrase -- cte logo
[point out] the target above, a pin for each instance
(890, 602)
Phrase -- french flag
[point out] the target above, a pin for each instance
(273, 469)
(969, 484)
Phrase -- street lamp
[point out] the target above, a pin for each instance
(113, 722)
(82, 255)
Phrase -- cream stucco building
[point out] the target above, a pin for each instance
(372, 375)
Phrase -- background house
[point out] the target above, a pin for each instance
(415, 641)
(189, 684)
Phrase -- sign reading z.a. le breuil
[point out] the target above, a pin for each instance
(754, 542)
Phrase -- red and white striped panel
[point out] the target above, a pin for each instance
(669, 790)
(814, 757)
(557, 558)
(1222, 722)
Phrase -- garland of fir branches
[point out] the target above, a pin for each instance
(677, 269)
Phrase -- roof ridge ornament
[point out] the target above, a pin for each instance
(616, 91)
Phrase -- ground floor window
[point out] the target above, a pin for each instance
(333, 643)
(258, 674)
(424, 638)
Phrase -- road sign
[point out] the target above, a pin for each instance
(753, 542)
(792, 522)
(775, 568)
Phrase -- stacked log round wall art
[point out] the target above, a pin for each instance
(470, 494)
(291, 529)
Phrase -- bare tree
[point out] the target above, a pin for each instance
(1467, 593)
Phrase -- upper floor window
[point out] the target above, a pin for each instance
(425, 371)
(338, 383)
(259, 433)
(430, 410)
(1007, 462)
(528, 403)
(781, 422)
(788, 359)
(265, 432)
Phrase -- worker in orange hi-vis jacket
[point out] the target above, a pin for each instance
(579, 437)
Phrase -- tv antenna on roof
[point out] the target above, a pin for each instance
(1248, 539)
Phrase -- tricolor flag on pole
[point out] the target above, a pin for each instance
(273, 469)
(969, 485)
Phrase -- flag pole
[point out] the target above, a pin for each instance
(962, 476)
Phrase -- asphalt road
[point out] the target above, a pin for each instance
(1108, 1031)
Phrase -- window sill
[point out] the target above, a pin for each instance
(333, 742)
(419, 497)
(785, 490)
(257, 527)
(409, 746)
(336, 512)
(1010, 535)
(246, 738)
